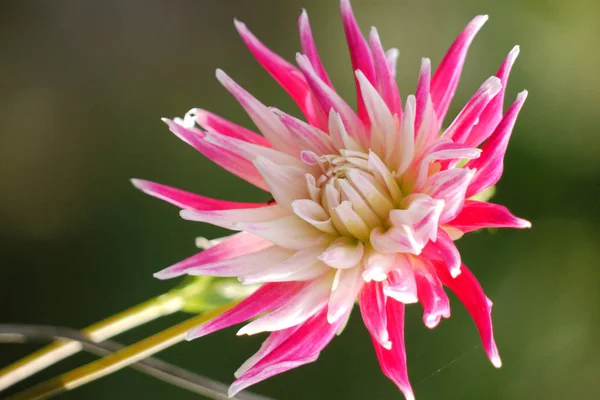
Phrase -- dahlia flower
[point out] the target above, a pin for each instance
(365, 206)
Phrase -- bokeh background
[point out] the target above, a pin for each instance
(83, 85)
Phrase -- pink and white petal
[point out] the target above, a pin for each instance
(386, 84)
(422, 94)
(377, 265)
(231, 247)
(313, 213)
(187, 200)
(391, 56)
(478, 214)
(446, 77)
(381, 120)
(289, 232)
(307, 136)
(268, 297)
(393, 361)
(346, 286)
(397, 239)
(212, 122)
(343, 253)
(404, 145)
(296, 310)
(372, 191)
(285, 182)
(372, 302)
(360, 54)
(402, 285)
(302, 346)
(339, 135)
(309, 48)
(431, 294)
(469, 116)
(301, 266)
(423, 213)
(268, 123)
(383, 175)
(231, 162)
(444, 250)
(230, 219)
(450, 186)
(491, 163)
(329, 100)
(491, 116)
(469, 291)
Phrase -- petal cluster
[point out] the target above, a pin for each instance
(366, 204)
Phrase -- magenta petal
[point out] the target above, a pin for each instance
(491, 116)
(233, 246)
(446, 77)
(372, 308)
(445, 251)
(188, 200)
(233, 163)
(301, 347)
(268, 297)
(386, 84)
(469, 291)
(393, 361)
(309, 49)
(478, 214)
(422, 93)
(360, 54)
(212, 122)
(282, 71)
(431, 294)
(490, 164)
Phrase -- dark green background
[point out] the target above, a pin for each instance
(82, 87)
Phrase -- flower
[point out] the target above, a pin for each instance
(366, 205)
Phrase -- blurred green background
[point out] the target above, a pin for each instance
(82, 87)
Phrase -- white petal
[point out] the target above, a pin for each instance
(402, 285)
(313, 213)
(343, 253)
(285, 183)
(348, 283)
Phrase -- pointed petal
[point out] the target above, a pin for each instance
(188, 200)
(229, 161)
(447, 75)
(288, 76)
(352, 221)
(491, 163)
(404, 145)
(445, 251)
(212, 122)
(431, 294)
(285, 183)
(359, 204)
(393, 361)
(469, 291)
(478, 214)
(375, 195)
(346, 286)
(301, 346)
(329, 99)
(360, 54)
(372, 308)
(233, 246)
(397, 239)
(386, 84)
(491, 116)
(377, 265)
(307, 136)
(268, 297)
(343, 253)
(402, 285)
(422, 95)
(313, 213)
(296, 310)
(392, 60)
(460, 128)
(230, 219)
(268, 123)
(383, 176)
(309, 48)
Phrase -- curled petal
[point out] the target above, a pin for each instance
(393, 361)
(431, 294)
(372, 302)
(402, 285)
(343, 253)
(478, 214)
(470, 293)
(282, 181)
(446, 77)
(397, 239)
(377, 265)
(491, 163)
(450, 186)
(313, 213)
(445, 251)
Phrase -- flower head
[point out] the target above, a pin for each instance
(367, 204)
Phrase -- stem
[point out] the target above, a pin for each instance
(135, 316)
(121, 359)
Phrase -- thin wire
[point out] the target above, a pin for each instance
(460, 357)
(150, 366)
